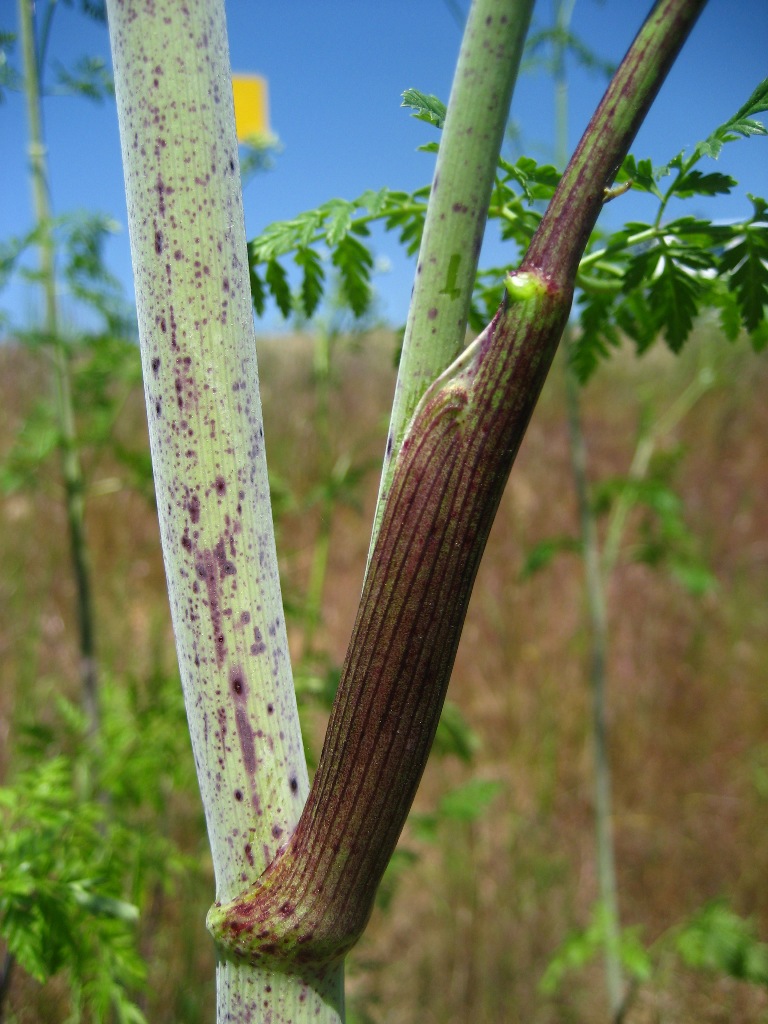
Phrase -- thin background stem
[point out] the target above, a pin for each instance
(187, 233)
(594, 589)
(74, 484)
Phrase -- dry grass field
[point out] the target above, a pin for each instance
(475, 913)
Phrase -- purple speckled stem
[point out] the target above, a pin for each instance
(313, 901)
(177, 130)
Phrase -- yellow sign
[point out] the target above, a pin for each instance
(251, 106)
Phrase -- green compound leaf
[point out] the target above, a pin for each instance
(91, 79)
(645, 281)
(598, 335)
(675, 293)
(583, 945)
(537, 181)
(375, 201)
(469, 802)
(338, 218)
(543, 554)
(286, 235)
(94, 902)
(464, 804)
(759, 337)
(729, 314)
(455, 735)
(425, 107)
(338, 224)
(634, 318)
(258, 292)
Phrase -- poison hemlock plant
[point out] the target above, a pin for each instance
(297, 869)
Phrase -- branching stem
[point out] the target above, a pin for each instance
(478, 108)
(312, 903)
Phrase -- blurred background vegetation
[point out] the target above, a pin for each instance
(497, 868)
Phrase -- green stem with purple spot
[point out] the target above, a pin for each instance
(465, 170)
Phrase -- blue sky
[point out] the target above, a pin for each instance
(336, 70)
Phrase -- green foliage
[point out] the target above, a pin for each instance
(354, 263)
(583, 945)
(644, 281)
(61, 885)
(557, 39)
(80, 237)
(425, 108)
(103, 362)
(36, 441)
(717, 939)
(96, 10)
(653, 279)
(664, 539)
(85, 843)
(90, 79)
(104, 370)
(9, 77)
(741, 124)
(454, 735)
(542, 554)
(339, 227)
(337, 232)
(713, 939)
(747, 262)
(464, 804)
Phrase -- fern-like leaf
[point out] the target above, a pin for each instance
(313, 279)
(354, 263)
(741, 124)
(425, 107)
(277, 282)
(746, 263)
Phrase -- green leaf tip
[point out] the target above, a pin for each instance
(425, 107)
(742, 124)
